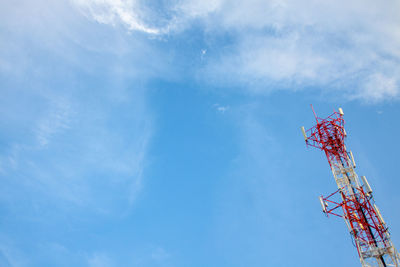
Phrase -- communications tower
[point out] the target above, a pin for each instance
(353, 200)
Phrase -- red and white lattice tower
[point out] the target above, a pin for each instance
(353, 201)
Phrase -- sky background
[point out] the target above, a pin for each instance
(167, 133)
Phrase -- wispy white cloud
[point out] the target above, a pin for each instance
(66, 140)
(137, 15)
(352, 48)
(73, 161)
(379, 87)
(333, 45)
(190, 9)
(57, 119)
(116, 11)
(76, 129)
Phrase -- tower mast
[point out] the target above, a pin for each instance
(353, 200)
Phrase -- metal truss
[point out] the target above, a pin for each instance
(352, 201)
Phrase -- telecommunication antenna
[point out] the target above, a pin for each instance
(353, 200)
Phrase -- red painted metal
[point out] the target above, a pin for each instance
(364, 221)
(350, 201)
(328, 135)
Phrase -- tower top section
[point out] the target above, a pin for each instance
(353, 201)
(328, 135)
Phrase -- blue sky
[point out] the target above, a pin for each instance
(167, 133)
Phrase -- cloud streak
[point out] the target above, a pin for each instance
(116, 11)
(66, 140)
(340, 47)
(58, 120)
(297, 44)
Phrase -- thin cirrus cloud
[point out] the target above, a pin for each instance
(65, 139)
(115, 11)
(350, 48)
(57, 121)
(297, 44)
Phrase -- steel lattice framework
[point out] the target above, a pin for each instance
(352, 201)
